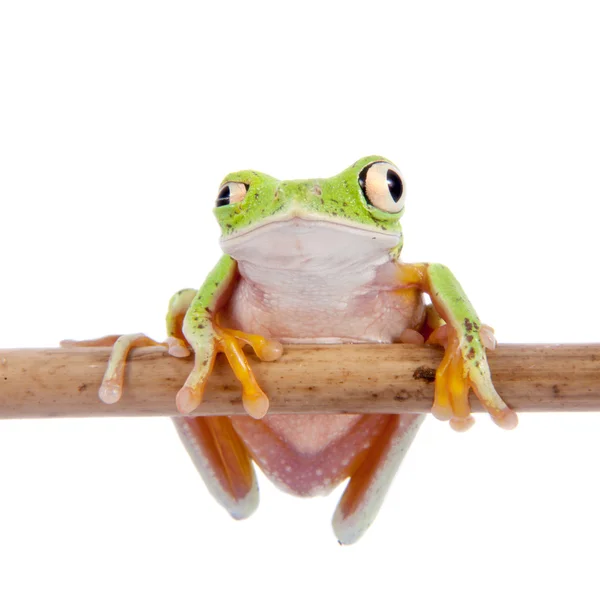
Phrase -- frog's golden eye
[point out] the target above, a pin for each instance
(231, 193)
(382, 186)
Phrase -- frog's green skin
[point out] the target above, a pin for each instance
(338, 199)
(315, 261)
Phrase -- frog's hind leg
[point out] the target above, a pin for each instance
(111, 388)
(367, 487)
(222, 460)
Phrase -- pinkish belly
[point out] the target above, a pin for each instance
(309, 455)
(298, 317)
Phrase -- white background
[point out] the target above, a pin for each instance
(118, 121)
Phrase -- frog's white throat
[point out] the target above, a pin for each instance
(310, 246)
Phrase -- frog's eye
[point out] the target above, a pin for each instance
(231, 193)
(382, 186)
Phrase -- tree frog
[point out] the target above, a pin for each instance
(315, 261)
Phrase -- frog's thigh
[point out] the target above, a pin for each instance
(367, 487)
(222, 460)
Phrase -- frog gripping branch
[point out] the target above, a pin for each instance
(314, 262)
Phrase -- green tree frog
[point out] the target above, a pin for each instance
(315, 262)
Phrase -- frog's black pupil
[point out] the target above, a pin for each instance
(223, 197)
(394, 184)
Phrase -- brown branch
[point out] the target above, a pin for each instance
(307, 379)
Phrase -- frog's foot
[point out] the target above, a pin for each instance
(111, 389)
(230, 342)
(457, 373)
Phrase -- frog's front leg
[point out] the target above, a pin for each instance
(464, 364)
(207, 338)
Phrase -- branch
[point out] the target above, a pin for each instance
(307, 379)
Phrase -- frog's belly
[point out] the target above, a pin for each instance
(307, 455)
(322, 316)
(311, 454)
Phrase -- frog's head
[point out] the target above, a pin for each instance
(367, 200)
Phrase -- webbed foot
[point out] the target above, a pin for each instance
(230, 342)
(463, 367)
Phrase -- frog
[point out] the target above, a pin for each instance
(315, 261)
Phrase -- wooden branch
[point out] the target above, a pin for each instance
(307, 379)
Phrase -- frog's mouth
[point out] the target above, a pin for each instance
(302, 242)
